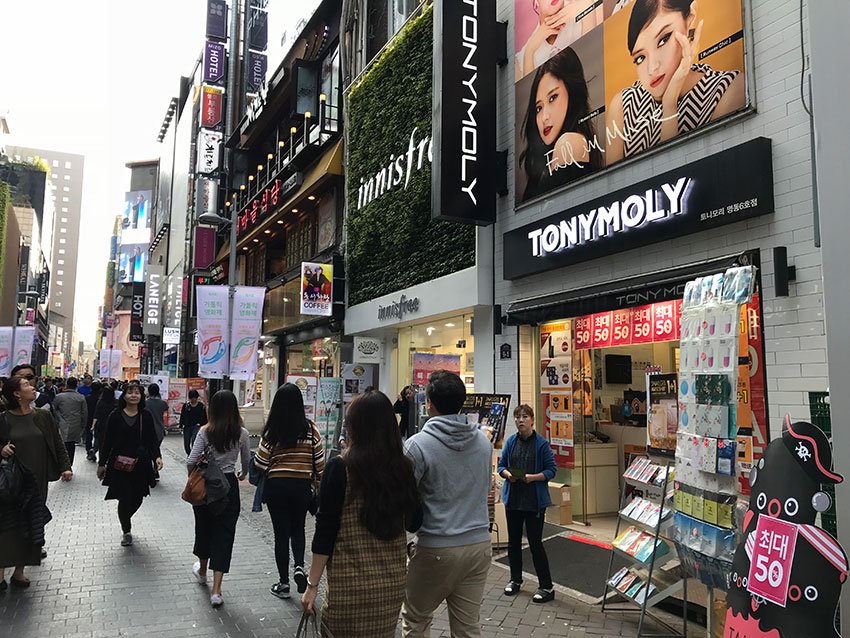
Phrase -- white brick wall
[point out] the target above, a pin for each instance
(795, 343)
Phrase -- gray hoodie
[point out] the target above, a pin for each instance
(452, 462)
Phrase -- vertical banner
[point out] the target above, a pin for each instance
(153, 300)
(22, 349)
(245, 336)
(213, 313)
(308, 386)
(137, 311)
(316, 289)
(463, 187)
(5, 351)
(329, 399)
(115, 363)
(103, 368)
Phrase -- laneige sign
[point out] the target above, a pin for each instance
(731, 186)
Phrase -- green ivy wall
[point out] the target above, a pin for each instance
(4, 203)
(392, 243)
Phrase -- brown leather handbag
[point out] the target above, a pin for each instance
(195, 492)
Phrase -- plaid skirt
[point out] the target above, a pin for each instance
(366, 579)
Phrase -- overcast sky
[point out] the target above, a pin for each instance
(95, 78)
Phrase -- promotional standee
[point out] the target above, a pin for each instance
(787, 574)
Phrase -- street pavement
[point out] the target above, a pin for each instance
(89, 586)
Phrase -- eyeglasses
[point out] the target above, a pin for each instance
(29, 377)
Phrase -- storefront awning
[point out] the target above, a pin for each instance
(661, 285)
(327, 165)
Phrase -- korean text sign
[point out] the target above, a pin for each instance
(213, 315)
(773, 555)
(245, 336)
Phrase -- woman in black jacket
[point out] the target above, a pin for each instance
(402, 407)
(126, 453)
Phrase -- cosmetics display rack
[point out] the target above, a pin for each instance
(653, 572)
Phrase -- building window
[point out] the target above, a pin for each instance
(61, 262)
(53, 186)
(64, 210)
(67, 178)
(60, 272)
(55, 162)
(61, 251)
(65, 199)
(58, 304)
(67, 164)
(62, 240)
(64, 219)
(63, 230)
(58, 282)
(67, 189)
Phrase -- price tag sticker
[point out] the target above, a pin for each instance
(584, 328)
(773, 555)
(642, 324)
(601, 335)
(664, 321)
(621, 327)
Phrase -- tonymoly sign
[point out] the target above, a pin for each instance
(464, 111)
(730, 186)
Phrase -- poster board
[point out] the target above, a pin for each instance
(663, 413)
(356, 377)
(491, 410)
(424, 363)
(556, 390)
(178, 395)
(308, 385)
(329, 398)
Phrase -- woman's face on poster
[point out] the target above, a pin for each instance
(657, 54)
(552, 102)
(548, 8)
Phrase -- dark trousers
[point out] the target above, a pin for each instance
(533, 522)
(215, 533)
(189, 434)
(287, 500)
(70, 446)
(128, 506)
(88, 439)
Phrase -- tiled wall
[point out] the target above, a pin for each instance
(794, 328)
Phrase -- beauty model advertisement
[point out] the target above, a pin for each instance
(598, 83)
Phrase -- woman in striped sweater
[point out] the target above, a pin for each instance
(291, 452)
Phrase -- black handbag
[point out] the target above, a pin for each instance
(11, 481)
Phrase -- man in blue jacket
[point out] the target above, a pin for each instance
(527, 465)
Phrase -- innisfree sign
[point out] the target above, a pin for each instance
(397, 309)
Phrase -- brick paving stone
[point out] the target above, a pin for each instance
(91, 587)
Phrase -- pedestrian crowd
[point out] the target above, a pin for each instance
(386, 485)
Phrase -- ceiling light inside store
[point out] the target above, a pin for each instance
(450, 325)
(430, 330)
(312, 198)
(294, 210)
(256, 241)
(469, 321)
(267, 231)
(280, 221)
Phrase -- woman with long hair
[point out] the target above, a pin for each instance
(105, 406)
(560, 142)
(293, 457)
(558, 28)
(673, 93)
(223, 441)
(367, 500)
(128, 453)
(31, 437)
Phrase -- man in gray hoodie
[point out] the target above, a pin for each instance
(452, 463)
(71, 412)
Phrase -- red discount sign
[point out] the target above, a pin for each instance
(642, 324)
(601, 336)
(583, 326)
(772, 555)
(677, 318)
(621, 327)
(664, 321)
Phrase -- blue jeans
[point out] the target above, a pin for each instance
(189, 434)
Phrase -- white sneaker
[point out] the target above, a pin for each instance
(216, 600)
(196, 570)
